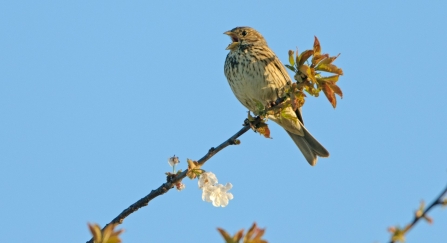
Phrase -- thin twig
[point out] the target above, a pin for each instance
(437, 201)
(170, 184)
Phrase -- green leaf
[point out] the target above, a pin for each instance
(291, 67)
(297, 56)
(291, 59)
(398, 234)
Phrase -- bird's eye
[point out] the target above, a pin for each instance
(244, 33)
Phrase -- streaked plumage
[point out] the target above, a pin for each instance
(255, 73)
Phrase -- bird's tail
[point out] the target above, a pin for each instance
(309, 146)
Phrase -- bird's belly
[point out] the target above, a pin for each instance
(252, 91)
(253, 80)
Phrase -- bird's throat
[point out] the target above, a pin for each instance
(233, 46)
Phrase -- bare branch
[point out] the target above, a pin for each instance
(437, 201)
(170, 184)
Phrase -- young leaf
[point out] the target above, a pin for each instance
(95, 230)
(193, 169)
(250, 232)
(329, 68)
(398, 234)
(311, 75)
(263, 129)
(428, 219)
(318, 58)
(108, 235)
(304, 56)
(226, 236)
(300, 99)
(329, 94)
(291, 67)
(330, 79)
(336, 89)
(291, 59)
(317, 47)
(306, 70)
(329, 60)
(254, 235)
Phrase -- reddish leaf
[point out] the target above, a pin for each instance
(225, 235)
(264, 130)
(297, 56)
(329, 94)
(336, 89)
(428, 219)
(304, 56)
(318, 58)
(238, 236)
(329, 60)
(317, 47)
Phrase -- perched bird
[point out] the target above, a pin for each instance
(255, 74)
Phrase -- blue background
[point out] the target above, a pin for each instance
(96, 95)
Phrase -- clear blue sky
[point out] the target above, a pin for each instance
(96, 95)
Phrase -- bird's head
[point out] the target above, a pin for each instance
(244, 36)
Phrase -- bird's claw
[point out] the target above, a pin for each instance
(251, 121)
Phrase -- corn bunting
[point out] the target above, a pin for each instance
(255, 74)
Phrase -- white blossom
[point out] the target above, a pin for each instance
(212, 192)
(206, 179)
(220, 195)
(173, 161)
(206, 192)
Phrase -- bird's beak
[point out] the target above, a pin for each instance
(235, 41)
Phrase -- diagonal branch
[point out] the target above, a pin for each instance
(165, 187)
(438, 201)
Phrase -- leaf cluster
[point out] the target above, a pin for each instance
(108, 235)
(308, 75)
(253, 235)
(398, 233)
